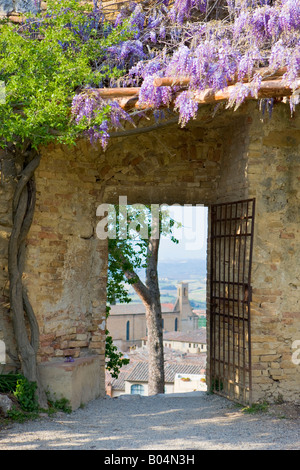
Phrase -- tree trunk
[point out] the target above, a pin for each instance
(21, 310)
(150, 296)
(154, 322)
(156, 379)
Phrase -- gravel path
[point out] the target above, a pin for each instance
(188, 422)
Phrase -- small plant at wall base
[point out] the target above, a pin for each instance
(256, 408)
(58, 404)
(23, 390)
(23, 394)
(8, 382)
(26, 395)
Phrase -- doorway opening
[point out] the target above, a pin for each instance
(205, 294)
(182, 273)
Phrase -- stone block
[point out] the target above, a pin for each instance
(80, 381)
(5, 404)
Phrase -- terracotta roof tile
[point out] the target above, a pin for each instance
(140, 371)
(194, 336)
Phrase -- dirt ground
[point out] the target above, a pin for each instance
(195, 421)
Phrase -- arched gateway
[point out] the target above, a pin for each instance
(218, 162)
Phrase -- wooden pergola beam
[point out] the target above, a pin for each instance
(185, 81)
(118, 92)
(128, 98)
(268, 89)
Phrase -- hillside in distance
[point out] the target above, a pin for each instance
(182, 270)
(171, 273)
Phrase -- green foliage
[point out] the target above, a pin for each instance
(127, 244)
(43, 63)
(216, 385)
(58, 404)
(8, 382)
(26, 406)
(115, 359)
(17, 414)
(256, 408)
(129, 229)
(26, 395)
(22, 389)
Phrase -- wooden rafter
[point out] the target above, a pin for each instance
(268, 89)
(118, 92)
(271, 87)
(265, 73)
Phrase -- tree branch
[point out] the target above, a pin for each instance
(138, 285)
(143, 130)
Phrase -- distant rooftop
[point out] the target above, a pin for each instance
(176, 362)
(140, 371)
(170, 355)
(194, 336)
(199, 311)
(136, 308)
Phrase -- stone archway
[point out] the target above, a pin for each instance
(228, 157)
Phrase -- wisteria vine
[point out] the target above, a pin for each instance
(213, 42)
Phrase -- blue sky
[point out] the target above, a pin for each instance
(192, 235)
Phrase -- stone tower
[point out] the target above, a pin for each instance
(188, 320)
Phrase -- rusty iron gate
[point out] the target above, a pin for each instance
(231, 243)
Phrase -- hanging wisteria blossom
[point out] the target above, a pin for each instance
(212, 43)
(186, 106)
(88, 106)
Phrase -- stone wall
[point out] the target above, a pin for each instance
(66, 262)
(226, 158)
(65, 272)
(167, 166)
(273, 177)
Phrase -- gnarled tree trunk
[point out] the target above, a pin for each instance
(24, 321)
(154, 322)
(149, 293)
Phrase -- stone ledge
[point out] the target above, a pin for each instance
(79, 381)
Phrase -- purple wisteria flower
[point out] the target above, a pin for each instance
(131, 50)
(186, 106)
(181, 9)
(171, 42)
(99, 133)
(86, 108)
